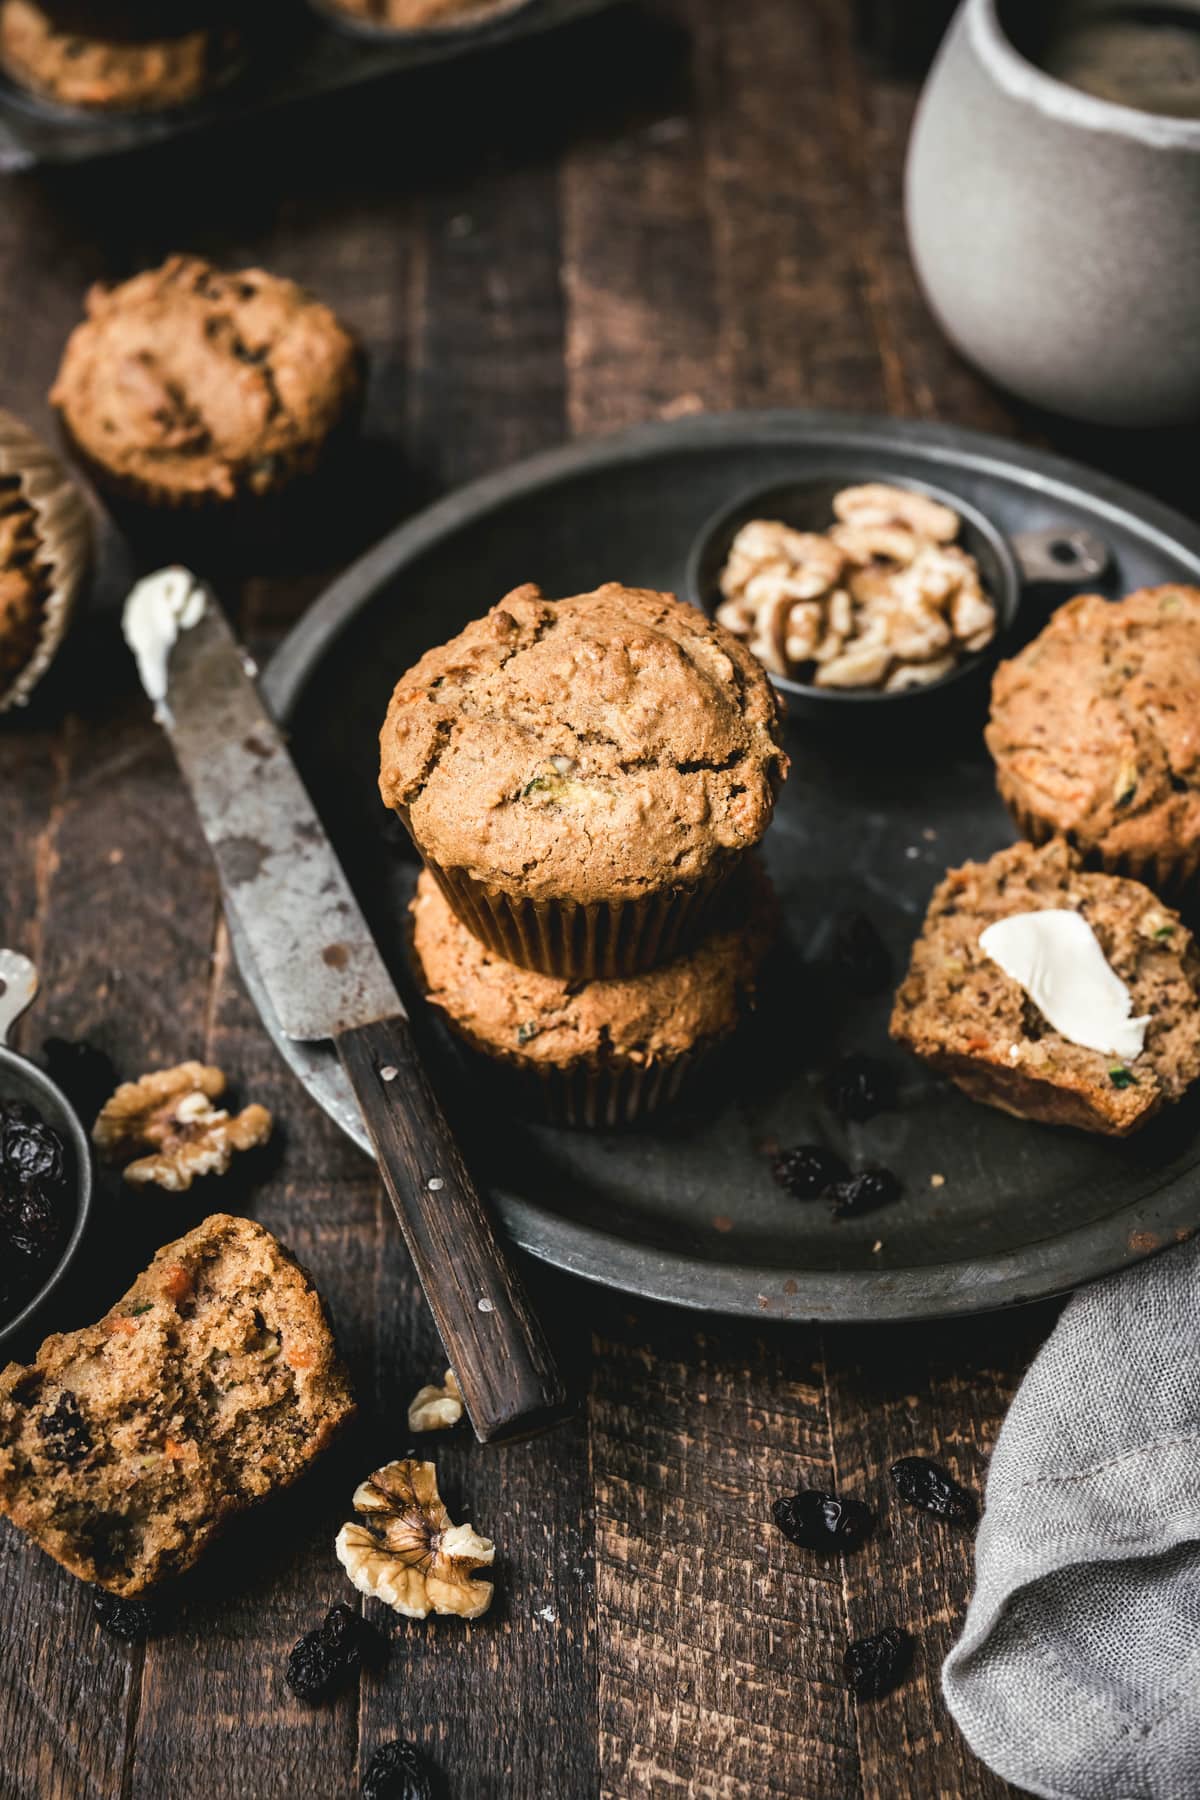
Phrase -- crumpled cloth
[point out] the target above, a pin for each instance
(1077, 1674)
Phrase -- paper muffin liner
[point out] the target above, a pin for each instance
(577, 941)
(593, 1094)
(64, 528)
(605, 1097)
(1170, 873)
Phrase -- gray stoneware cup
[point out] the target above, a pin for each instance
(1057, 235)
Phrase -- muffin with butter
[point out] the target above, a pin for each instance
(597, 1053)
(1095, 733)
(581, 776)
(1053, 992)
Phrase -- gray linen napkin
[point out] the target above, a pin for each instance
(1077, 1674)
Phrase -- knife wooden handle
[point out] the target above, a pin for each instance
(506, 1370)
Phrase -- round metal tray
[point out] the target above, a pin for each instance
(688, 1211)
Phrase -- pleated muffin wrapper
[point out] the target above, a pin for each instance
(64, 531)
(578, 941)
(594, 1094)
(1172, 874)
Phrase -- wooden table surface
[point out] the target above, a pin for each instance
(672, 207)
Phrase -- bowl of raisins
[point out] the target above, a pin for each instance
(45, 1167)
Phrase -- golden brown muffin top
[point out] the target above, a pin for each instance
(24, 581)
(81, 69)
(188, 382)
(595, 748)
(1095, 725)
(542, 1021)
(957, 1003)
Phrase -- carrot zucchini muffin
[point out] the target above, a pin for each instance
(581, 775)
(83, 68)
(45, 540)
(186, 386)
(212, 1382)
(1054, 993)
(1095, 732)
(597, 1052)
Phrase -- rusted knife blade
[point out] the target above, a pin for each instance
(294, 907)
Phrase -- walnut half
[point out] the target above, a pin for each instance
(408, 1552)
(170, 1114)
(436, 1408)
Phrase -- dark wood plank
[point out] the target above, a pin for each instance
(797, 326)
(717, 1672)
(938, 1391)
(638, 259)
(507, 1705)
(215, 1714)
(710, 259)
(65, 1698)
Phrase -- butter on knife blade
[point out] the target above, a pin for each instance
(296, 913)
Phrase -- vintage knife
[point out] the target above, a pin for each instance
(325, 978)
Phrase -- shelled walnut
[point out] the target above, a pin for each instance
(166, 1130)
(436, 1408)
(408, 1552)
(885, 598)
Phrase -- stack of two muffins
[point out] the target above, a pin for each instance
(586, 779)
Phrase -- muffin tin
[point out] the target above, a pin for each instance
(687, 1210)
(295, 52)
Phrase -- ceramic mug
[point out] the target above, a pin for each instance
(1057, 234)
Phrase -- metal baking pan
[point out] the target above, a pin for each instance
(687, 1210)
(297, 56)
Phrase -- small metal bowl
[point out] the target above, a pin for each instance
(1064, 558)
(20, 1080)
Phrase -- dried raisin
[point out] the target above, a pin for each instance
(398, 1771)
(819, 1521)
(922, 1483)
(864, 1193)
(328, 1658)
(876, 1665)
(64, 1431)
(129, 1620)
(808, 1170)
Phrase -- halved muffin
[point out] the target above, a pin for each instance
(213, 1382)
(961, 1012)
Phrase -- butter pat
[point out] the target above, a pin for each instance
(157, 610)
(1057, 959)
